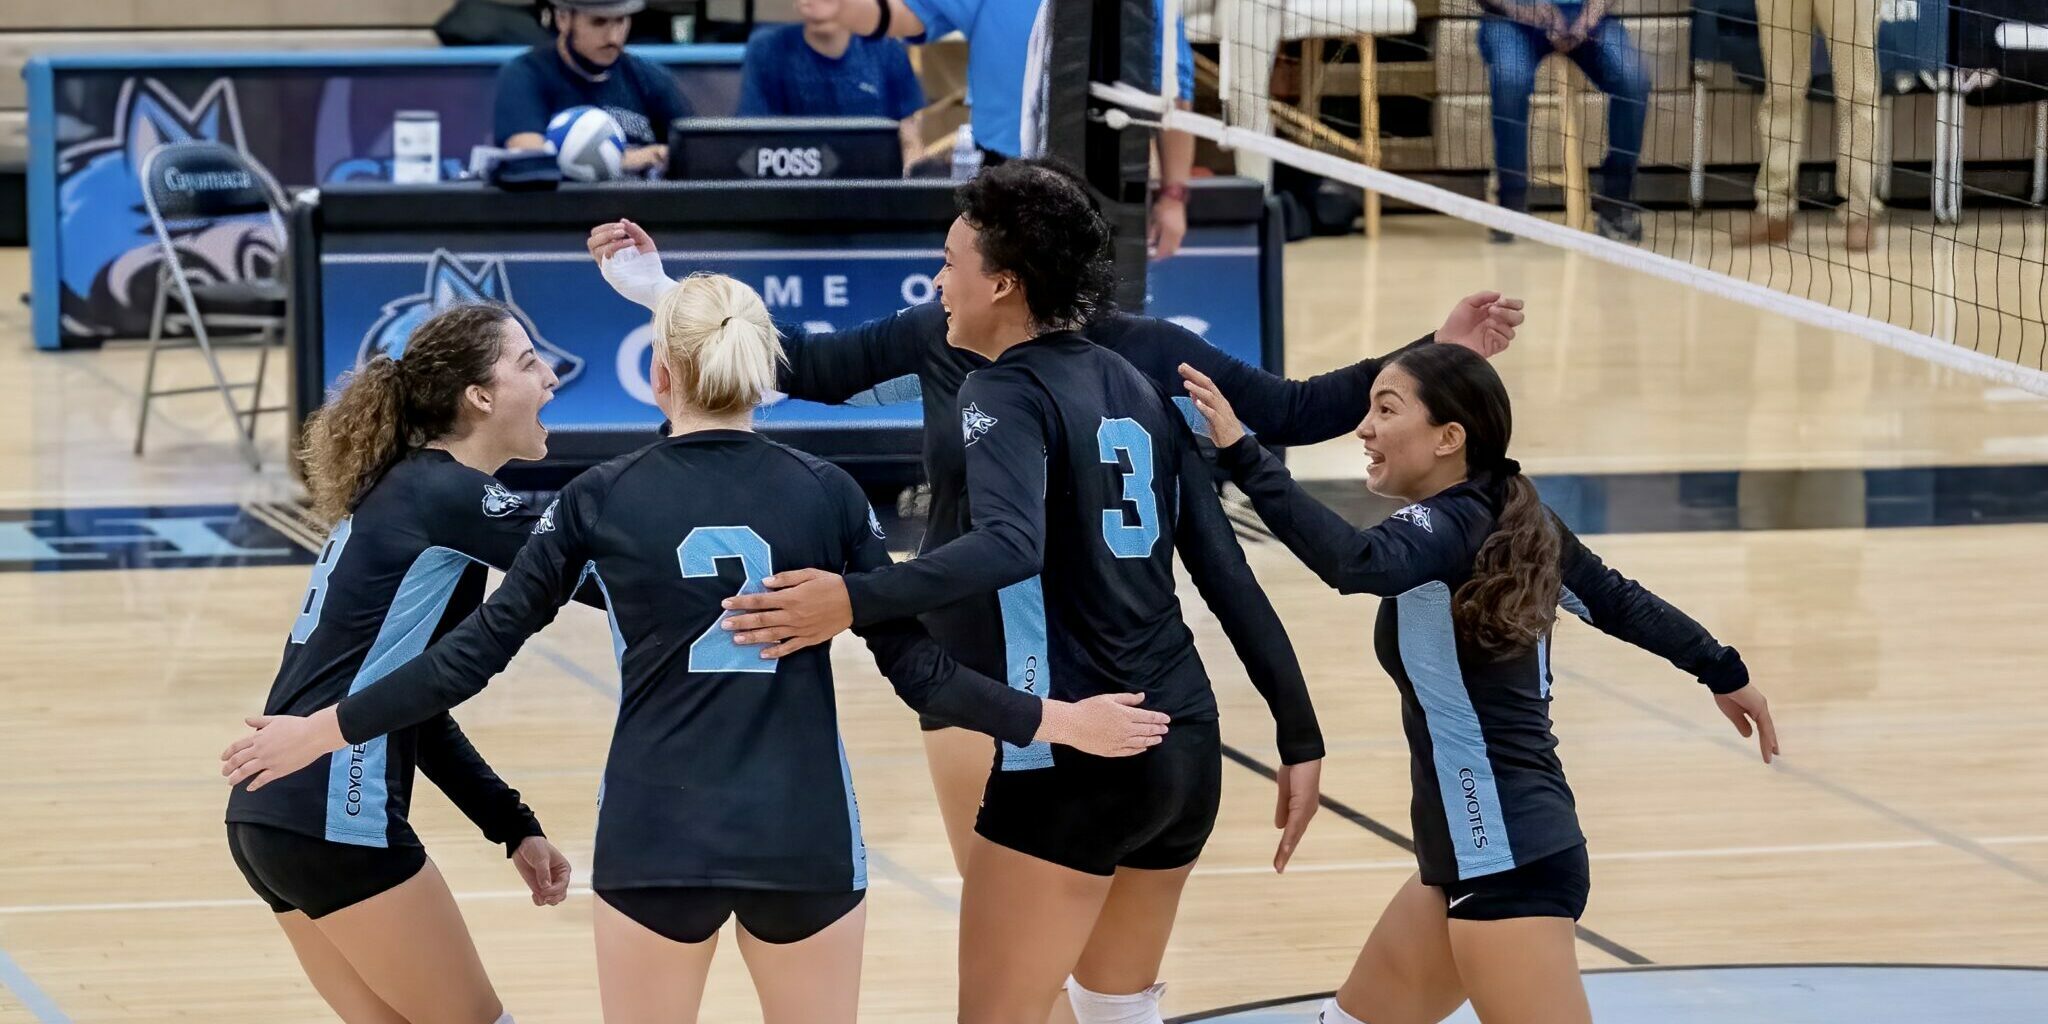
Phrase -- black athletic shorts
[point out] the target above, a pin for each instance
(1154, 810)
(695, 913)
(1553, 886)
(315, 876)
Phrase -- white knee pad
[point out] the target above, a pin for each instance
(1098, 1008)
(1333, 1014)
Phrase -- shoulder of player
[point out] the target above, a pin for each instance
(832, 478)
(1457, 515)
(439, 484)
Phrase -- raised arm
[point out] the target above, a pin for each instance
(821, 366)
(1216, 563)
(1623, 609)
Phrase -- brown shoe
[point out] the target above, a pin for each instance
(1762, 229)
(1859, 236)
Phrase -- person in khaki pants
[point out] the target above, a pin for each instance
(1785, 28)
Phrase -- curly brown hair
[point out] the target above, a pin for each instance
(1510, 601)
(388, 407)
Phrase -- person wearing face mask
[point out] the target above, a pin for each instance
(400, 461)
(1471, 574)
(587, 65)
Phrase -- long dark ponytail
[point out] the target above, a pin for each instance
(388, 407)
(1510, 601)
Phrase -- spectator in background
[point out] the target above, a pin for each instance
(821, 69)
(1514, 37)
(587, 65)
(1785, 29)
(1007, 84)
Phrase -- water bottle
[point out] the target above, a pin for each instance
(966, 155)
(415, 147)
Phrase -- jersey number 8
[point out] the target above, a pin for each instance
(714, 649)
(1124, 540)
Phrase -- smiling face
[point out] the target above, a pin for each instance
(507, 410)
(1407, 455)
(968, 292)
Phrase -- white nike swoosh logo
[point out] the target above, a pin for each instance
(1463, 898)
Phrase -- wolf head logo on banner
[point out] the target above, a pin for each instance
(449, 282)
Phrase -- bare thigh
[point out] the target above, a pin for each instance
(1524, 970)
(812, 981)
(1023, 925)
(345, 991)
(643, 977)
(960, 761)
(411, 947)
(1406, 973)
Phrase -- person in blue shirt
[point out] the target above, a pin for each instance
(587, 65)
(819, 68)
(1007, 84)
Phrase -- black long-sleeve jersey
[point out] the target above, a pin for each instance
(725, 769)
(836, 366)
(1489, 790)
(403, 568)
(1082, 481)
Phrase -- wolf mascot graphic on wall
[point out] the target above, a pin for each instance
(110, 253)
(450, 281)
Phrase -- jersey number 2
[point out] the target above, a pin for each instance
(1125, 540)
(714, 650)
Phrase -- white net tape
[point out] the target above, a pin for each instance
(1151, 109)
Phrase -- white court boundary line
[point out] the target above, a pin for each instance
(1335, 867)
(1805, 310)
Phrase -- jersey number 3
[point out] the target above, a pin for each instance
(714, 650)
(1125, 540)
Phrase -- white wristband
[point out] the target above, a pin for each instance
(636, 275)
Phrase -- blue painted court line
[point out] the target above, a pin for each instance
(29, 993)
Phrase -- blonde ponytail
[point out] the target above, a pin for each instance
(714, 335)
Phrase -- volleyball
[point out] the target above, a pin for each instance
(587, 143)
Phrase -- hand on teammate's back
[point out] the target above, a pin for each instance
(544, 870)
(1106, 725)
(802, 608)
(1301, 792)
(1224, 428)
(279, 746)
(1746, 706)
(1484, 322)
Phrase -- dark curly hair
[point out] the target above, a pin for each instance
(388, 407)
(1037, 220)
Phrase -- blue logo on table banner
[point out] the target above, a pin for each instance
(451, 282)
(110, 257)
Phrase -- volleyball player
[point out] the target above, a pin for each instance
(400, 461)
(1082, 480)
(1471, 574)
(834, 367)
(726, 792)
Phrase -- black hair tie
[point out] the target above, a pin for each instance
(722, 323)
(1509, 467)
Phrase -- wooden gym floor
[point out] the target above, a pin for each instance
(1904, 824)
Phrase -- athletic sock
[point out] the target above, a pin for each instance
(1101, 1008)
(1331, 1013)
